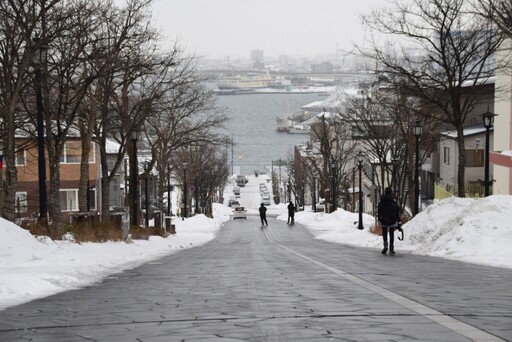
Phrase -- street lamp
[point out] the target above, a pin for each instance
(169, 191)
(333, 185)
(395, 162)
(417, 130)
(184, 191)
(2, 129)
(146, 199)
(314, 194)
(360, 159)
(289, 190)
(488, 118)
(134, 188)
(40, 57)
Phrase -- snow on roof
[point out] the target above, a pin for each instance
(112, 147)
(466, 132)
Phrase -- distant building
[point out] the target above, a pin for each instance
(257, 59)
(322, 68)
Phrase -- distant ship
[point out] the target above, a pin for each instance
(250, 81)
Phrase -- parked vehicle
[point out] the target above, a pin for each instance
(236, 191)
(241, 180)
(233, 203)
(320, 206)
(239, 213)
(265, 199)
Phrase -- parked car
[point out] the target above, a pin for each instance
(239, 213)
(233, 203)
(236, 190)
(265, 199)
(320, 206)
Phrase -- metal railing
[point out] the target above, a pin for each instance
(443, 191)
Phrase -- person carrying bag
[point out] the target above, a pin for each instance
(388, 213)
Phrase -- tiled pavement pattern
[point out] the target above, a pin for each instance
(277, 284)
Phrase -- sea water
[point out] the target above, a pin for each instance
(253, 127)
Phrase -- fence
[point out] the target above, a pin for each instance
(473, 190)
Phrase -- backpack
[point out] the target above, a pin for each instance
(388, 210)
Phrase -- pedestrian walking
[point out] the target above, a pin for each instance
(263, 215)
(291, 213)
(389, 218)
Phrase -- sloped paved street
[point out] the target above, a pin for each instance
(277, 284)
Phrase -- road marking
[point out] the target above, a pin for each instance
(451, 323)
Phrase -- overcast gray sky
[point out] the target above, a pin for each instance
(221, 28)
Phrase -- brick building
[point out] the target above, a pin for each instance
(27, 193)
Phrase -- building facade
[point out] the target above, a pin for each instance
(501, 155)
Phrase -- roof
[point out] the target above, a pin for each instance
(452, 134)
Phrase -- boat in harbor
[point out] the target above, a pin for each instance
(247, 82)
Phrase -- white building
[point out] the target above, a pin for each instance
(501, 157)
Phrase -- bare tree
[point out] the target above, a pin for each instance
(499, 11)
(333, 136)
(19, 21)
(383, 117)
(185, 115)
(443, 56)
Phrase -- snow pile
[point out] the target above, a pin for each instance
(466, 229)
(473, 230)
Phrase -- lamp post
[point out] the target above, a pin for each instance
(417, 130)
(39, 60)
(184, 192)
(146, 197)
(333, 185)
(314, 194)
(169, 191)
(488, 118)
(2, 129)
(134, 186)
(394, 183)
(360, 159)
(289, 190)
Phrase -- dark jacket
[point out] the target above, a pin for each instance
(263, 211)
(291, 209)
(388, 211)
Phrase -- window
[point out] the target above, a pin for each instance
(446, 156)
(21, 202)
(69, 200)
(92, 198)
(72, 153)
(474, 158)
(21, 158)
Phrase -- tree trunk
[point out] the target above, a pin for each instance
(11, 173)
(83, 187)
(54, 209)
(105, 184)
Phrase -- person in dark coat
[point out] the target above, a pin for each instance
(389, 218)
(263, 215)
(291, 213)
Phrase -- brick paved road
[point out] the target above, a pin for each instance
(277, 284)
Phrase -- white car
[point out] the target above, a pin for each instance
(320, 206)
(265, 200)
(239, 213)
